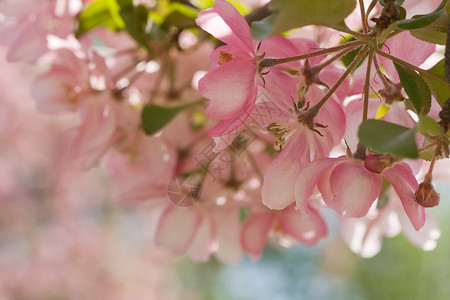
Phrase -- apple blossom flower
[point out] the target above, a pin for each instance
(307, 229)
(232, 82)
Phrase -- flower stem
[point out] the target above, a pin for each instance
(367, 86)
(379, 73)
(363, 16)
(271, 62)
(407, 64)
(369, 9)
(315, 109)
(338, 55)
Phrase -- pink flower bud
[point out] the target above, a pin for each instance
(426, 195)
(377, 163)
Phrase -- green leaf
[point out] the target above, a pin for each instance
(293, 14)
(428, 153)
(428, 125)
(181, 16)
(416, 88)
(155, 117)
(262, 29)
(135, 18)
(104, 13)
(420, 21)
(439, 88)
(388, 138)
(432, 23)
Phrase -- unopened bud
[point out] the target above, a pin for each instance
(426, 195)
(377, 162)
(391, 93)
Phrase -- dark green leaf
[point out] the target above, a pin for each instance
(292, 14)
(262, 29)
(155, 117)
(416, 88)
(181, 16)
(104, 13)
(135, 18)
(428, 125)
(439, 88)
(421, 21)
(389, 138)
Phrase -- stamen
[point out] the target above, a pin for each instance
(224, 57)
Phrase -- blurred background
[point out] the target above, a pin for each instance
(61, 238)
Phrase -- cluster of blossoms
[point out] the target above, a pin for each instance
(278, 140)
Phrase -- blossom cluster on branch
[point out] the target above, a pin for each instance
(240, 129)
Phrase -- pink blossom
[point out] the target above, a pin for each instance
(349, 188)
(233, 80)
(300, 145)
(307, 229)
(30, 22)
(364, 235)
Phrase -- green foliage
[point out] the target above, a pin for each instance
(103, 13)
(431, 27)
(135, 18)
(155, 117)
(293, 14)
(262, 29)
(429, 125)
(389, 138)
(416, 88)
(180, 16)
(439, 88)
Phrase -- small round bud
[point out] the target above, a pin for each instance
(377, 162)
(426, 195)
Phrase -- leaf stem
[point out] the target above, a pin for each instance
(315, 109)
(338, 55)
(379, 73)
(355, 34)
(271, 62)
(363, 16)
(369, 10)
(408, 65)
(367, 86)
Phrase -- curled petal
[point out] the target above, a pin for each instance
(405, 185)
(354, 189)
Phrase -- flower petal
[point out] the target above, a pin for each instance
(281, 175)
(354, 189)
(405, 185)
(202, 245)
(307, 181)
(308, 229)
(231, 87)
(176, 228)
(225, 23)
(254, 233)
(228, 231)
